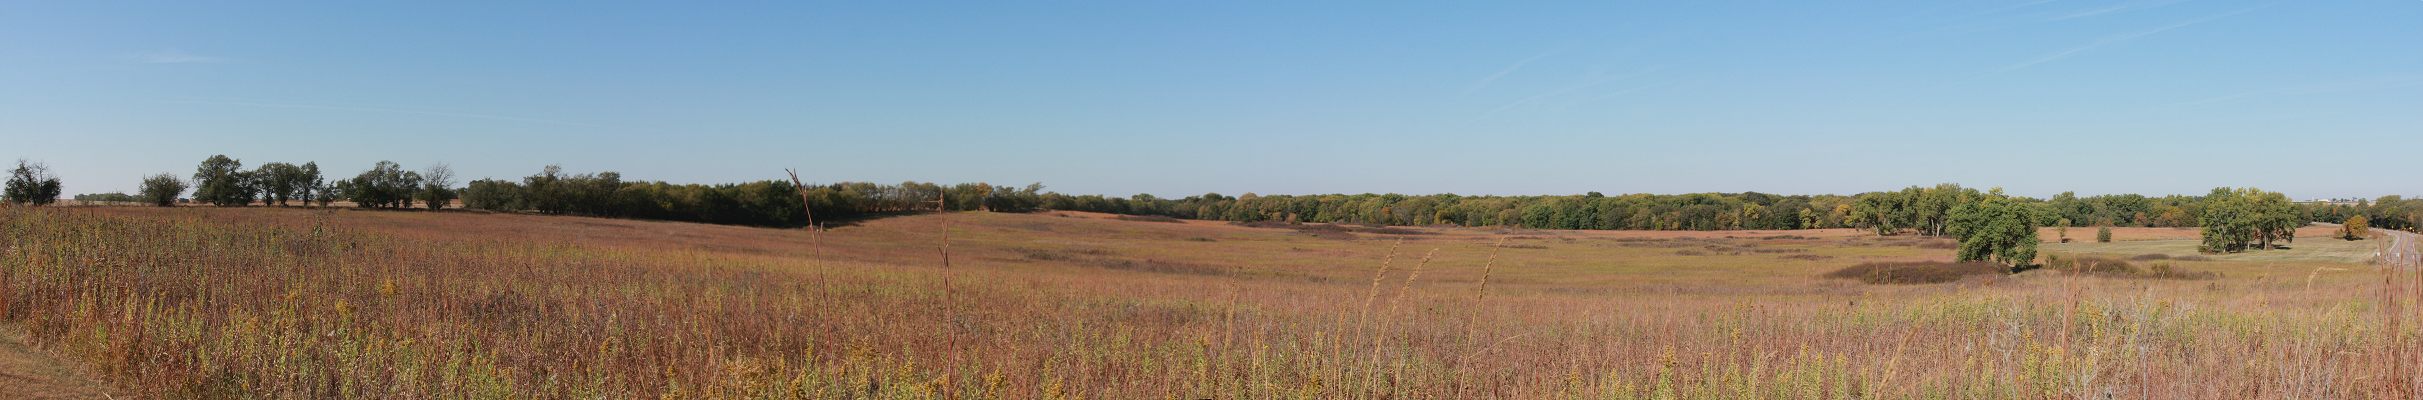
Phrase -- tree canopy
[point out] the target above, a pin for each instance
(31, 184)
(1992, 227)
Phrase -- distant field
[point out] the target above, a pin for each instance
(2304, 249)
(292, 302)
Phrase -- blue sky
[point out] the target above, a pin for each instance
(1183, 98)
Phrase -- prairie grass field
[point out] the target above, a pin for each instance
(266, 302)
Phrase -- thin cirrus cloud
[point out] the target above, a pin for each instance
(2116, 39)
(1587, 83)
(303, 106)
(2129, 6)
(2351, 85)
(1484, 82)
(178, 57)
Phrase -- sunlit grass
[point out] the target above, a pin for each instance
(315, 304)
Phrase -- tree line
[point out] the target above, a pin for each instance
(1916, 209)
(2240, 218)
(765, 203)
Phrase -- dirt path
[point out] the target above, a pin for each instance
(26, 373)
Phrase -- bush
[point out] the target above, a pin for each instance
(1904, 273)
(2103, 235)
(2150, 257)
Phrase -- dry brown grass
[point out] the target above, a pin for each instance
(1904, 273)
(262, 302)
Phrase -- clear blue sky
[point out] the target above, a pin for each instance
(1182, 98)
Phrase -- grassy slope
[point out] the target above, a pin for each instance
(1080, 306)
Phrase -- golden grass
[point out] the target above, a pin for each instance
(301, 303)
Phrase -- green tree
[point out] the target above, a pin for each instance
(2228, 221)
(309, 185)
(2062, 228)
(1995, 229)
(278, 182)
(222, 181)
(162, 190)
(32, 184)
(437, 186)
(385, 185)
(2275, 217)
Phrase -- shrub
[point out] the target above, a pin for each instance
(2150, 257)
(1904, 273)
(2103, 234)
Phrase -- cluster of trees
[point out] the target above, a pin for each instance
(388, 185)
(2238, 219)
(1991, 227)
(31, 184)
(2387, 212)
(223, 181)
(764, 203)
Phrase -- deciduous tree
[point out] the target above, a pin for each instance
(32, 184)
(1994, 228)
(2355, 229)
(222, 181)
(162, 190)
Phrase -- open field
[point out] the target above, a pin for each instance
(2312, 244)
(269, 302)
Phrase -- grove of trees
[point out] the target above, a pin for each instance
(769, 202)
(2238, 219)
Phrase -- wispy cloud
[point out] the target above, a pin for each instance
(2350, 85)
(2129, 6)
(303, 106)
(1484, 82)
(1587, 82)
(170, 57)
(2116, 39)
